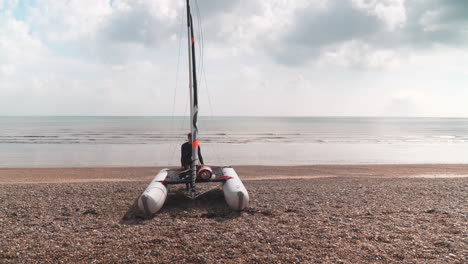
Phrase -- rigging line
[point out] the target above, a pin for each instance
(177, 71)
(199, 40)
(202, 53)
(200, 34)
(216, 148)
(182, 128)
(203, 72)
(173, 123)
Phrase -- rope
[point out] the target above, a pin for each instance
(173, 123)
(203, 73)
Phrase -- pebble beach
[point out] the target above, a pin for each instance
(303, 214)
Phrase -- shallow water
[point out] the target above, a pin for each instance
(155, 141)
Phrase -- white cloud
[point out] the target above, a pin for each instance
(392, 12)
(271, 57)
(65, 21)
(360, 55)
(6, 4)
(21, 54)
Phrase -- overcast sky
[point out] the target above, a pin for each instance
(260, 57)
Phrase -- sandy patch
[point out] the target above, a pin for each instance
(246, 173)
(286, 177)
(69, 181)
(438, 176)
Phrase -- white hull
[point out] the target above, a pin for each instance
(154, 196)
(234, 190)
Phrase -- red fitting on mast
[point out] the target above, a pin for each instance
(195, 144)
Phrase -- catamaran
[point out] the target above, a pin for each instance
(235, 193)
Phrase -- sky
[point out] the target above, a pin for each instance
(255, 57)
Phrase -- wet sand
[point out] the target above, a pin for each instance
(303, 214)
(145, 174)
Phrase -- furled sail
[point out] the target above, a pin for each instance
(193, 95)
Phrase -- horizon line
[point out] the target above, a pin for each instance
(247, 116)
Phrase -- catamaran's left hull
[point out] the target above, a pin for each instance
(154, 196)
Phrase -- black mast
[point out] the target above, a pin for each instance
(193, 86)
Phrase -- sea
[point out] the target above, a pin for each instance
(111, 141)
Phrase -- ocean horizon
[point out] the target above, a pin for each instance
(110, 141)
